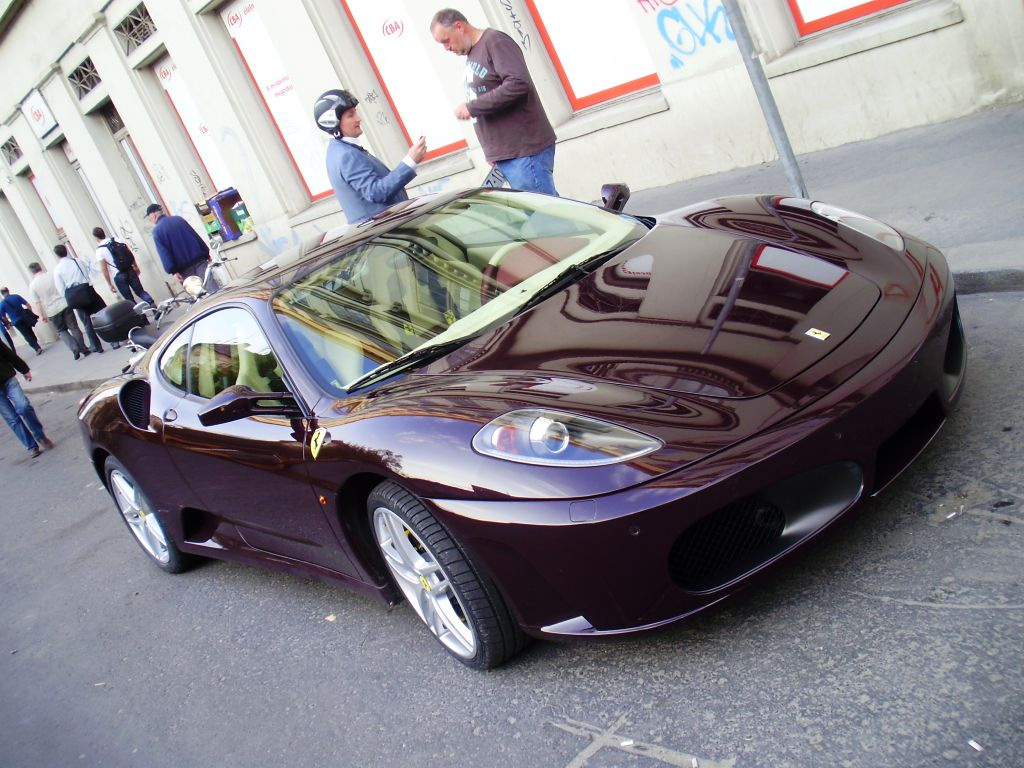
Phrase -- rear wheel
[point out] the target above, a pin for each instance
(138, 515)
(459, 604)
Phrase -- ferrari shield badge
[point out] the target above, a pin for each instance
(320, 437)
(814, 333)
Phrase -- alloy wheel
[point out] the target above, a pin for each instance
(141, 520)
(424, 583)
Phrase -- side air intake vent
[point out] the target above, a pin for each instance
(134, 401)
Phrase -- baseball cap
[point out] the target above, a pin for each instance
(153, 208)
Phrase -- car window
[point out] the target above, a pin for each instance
(174, 361)
(228, 347)
(450, 272)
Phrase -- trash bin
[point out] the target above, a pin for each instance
(221, 204)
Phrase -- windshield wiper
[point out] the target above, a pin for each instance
(419, 355)
(570, 275)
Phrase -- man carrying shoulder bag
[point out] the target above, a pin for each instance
(71, 278)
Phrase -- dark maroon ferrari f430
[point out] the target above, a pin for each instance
(530, 416)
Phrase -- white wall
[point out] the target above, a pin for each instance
(925, 61)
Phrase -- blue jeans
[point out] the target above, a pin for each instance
(19, 414)
(533, 173)
(127, 282)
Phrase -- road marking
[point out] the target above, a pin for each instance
(609, 739)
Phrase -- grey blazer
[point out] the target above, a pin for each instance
(362, 183)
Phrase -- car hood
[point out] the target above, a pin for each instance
(685, 311)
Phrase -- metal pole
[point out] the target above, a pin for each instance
(764, 96)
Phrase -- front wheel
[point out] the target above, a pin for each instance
(138, 515)
(460, 605)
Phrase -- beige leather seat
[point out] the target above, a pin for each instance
(249, 370)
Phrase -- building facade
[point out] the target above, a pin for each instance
(205, 106)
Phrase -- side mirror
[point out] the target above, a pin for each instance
(614, 196)
(241, 402)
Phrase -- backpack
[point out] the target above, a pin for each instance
(124, 259)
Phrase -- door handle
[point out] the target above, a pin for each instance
(170, 415)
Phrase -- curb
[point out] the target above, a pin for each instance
(68, 386)
(989, 281)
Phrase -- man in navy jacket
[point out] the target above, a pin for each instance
(363, 184)
(15, 309)
(182, 251)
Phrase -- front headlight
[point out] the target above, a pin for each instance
(556, 439)
(193, 285)
(858, 222)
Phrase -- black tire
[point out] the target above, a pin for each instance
(142, 522)
(460, 605)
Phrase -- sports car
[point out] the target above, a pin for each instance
(532, 417)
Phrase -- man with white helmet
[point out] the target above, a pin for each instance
(363, 184)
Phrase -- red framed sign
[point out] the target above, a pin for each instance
(400, 62)
(605, 60)
(250, 23)
(816, 15)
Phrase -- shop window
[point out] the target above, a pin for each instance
(135, 29)
(270, 61)
(395, 47)
(130, 153)
(596, 48)
(815, 15)
(42, 189)
(196, 128)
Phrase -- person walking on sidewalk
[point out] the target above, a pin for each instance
(117, 264)
(68, 273)
(5, 333)
(15, 309)
(181, 250)
(53, 308)
(15, 408)
(502, 101)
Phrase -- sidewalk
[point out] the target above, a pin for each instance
(57, 371)
(957, 185)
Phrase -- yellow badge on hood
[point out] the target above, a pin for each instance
(320, 437)
(814, 333)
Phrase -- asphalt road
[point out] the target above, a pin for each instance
(895, 642)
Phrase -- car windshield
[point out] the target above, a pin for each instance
(440, 278)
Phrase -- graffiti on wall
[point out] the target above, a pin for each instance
(197, 180)
(689, 28)
(517, 23)
(438, 185)
(126, 234)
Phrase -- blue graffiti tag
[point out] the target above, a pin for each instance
(435, 186)
(685, 39)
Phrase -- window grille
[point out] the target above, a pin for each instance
(11, 150)
(135, 29)
(112, 118)
(84, 78)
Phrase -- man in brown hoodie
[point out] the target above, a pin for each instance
(502, 102)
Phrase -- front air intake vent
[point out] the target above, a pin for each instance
(722, 545)
(134, 402)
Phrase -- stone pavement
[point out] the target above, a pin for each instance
(955, 184)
